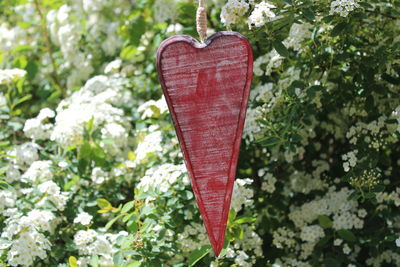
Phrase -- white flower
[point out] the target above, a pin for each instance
(36, 129)
(241, 259)
(29, 245)
(25, 154)
(298, 33)
(82, 238)
(362, 213)
(7, 199)
(91, 6)
(398, 242)
(12, 174)
(174, 28)
(150, 144)
(11, 75)
(113, 66)
(269, 183)
(232, 11)
(346, 249)
(337, 242)
(163, 177)
(41, 219)
(62, 164)
(49, 187)
(343, 7)
(350, 160)
(98, 175)
(83, 218)
(46, 113)
(93, 101)
(312, 233)
(165, 10)
(39, 171)
(90, 242)
(242, 195)
(261, 14)
(153, 109)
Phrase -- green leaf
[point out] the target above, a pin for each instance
(98, 155)
(137, 28)
(309, 14)
(90, 125)
(110, 223)
(131, 156)
(198, 254)
(117, 258)
(85, 151)
(21, 100)
(378, 188)
(32, 68)
(82, 165)
(70, 183)
(323, 241)
(268, 141)
(369, 195)
(188, 195)
(22, 48)
(132, 225)
(72, 262)
(7, 186)
(103, 203)
(231, 216)
(338, 29)
(94, 261)
(347, 235)
(354, 196)
(128, 241)
(245, 219)
(331, 262)
(128, 52)
(134, 264)
(325, 221)
(128, 206)
(127, 217)
(280, 48)
(20, 62)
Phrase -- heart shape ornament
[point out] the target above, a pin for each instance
(207, 86)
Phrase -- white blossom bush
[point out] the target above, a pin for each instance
(91, 170)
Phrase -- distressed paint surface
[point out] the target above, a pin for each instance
(207, 88)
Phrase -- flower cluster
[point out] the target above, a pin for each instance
(91, 243)
(261, 14)
(11, 75)
(343, 7)
(242, 195)
(233, 10)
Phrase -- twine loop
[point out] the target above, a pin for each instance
(201, 20)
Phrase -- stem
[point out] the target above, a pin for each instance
(55, 76)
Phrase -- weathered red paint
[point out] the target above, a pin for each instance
(207, 88)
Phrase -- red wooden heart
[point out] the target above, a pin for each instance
(207, 88)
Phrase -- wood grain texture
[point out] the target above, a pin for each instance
(207, 86)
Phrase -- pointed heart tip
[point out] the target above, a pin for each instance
(217, 246)
(217, 250)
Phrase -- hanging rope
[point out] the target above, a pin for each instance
(201, 20)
